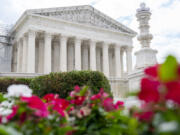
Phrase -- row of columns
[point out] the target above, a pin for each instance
(26, 55)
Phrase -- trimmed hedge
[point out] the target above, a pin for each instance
(61, 83)
(7, 81)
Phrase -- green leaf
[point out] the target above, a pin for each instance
(7, 130)
(168, 70)
(2, 97)
(83, 91)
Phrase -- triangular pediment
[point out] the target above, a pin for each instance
(85, 15)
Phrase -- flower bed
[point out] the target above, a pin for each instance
(85, 113)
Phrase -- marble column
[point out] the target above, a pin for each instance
(85, 56)
(14, 57)
(19, 53)
(117, 61)
(55, 56)
(99, 60)
(93, 55)
(63, 53)
(47, 53)
(106, 59)
(77, 54)
(129, 59)
(24, 58)
(122, 61)
(41, 56)
(31, 52)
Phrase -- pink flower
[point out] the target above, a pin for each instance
(50, 97)
(72, 94)
(100, 95)
(103, 94)
(77, 88)
(71, 109)
(118, 104)
(14, 111)
(149, 90)
(108, 104)
(36, 103)
(95, 97)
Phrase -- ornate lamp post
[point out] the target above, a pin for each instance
(146, 56)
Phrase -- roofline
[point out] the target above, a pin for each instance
(82, 6)
(83, 25)
(19, 21)
(30, 13)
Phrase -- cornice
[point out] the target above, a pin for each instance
(81, 25)
(76, 9)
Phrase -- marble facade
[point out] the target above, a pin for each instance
(80, 38)
(71, 38)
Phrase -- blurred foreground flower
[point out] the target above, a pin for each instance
(19, 90)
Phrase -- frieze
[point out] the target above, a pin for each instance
(83, 14)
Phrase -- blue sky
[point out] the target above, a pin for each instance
(165, 20)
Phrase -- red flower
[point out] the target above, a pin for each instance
(50, 97)
(152, 71)
(14, 111)
(36, 103)
(23, 117)
(60, 106)
(108, 104)
(118, 104)
(149, 90)
(173, 91)
(179, 70)
(78, 100)
(145, 116)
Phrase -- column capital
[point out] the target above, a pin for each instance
(78, 40)
(24, 37)
(93, 40)
(106, 44)
(31, 32)
(117, 46)
(64, 35)
(48, 34)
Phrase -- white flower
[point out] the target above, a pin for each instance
(19, 90)
(5, 111)
(7, 104)
(168, 126)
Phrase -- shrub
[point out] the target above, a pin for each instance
(7, 81)
(63, 83)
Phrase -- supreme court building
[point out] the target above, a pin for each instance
(76, 38)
